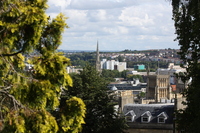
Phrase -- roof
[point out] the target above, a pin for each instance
(153, 110)
(130, 113)
(163, 115)
(114, 88)
(146, 114)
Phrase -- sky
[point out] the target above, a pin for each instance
(116, 24)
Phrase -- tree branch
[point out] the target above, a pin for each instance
(11, 97)
(12, 53)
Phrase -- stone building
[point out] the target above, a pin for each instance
(159, 88)
(162, 86)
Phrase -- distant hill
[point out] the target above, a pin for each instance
(81, 51)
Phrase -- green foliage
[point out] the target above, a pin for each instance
(131, 77)
(21, 19)
(101, 116)
(110, 73)
(121, 58)
(83, 58)
(141, 95)
(153, 65)
(124, 74)
(30, 121)
(72, 107)
(27, 97)
(187, 24)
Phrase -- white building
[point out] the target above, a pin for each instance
(113, 65)
(73, 69)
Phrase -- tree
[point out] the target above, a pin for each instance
(27, 98)
(82, 58)
(141, 95)
(110, 73)
(186, 15)
(120, 58)
(124, 73)
(101, 116)
(133, 76)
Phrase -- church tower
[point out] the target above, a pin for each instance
(98, 63)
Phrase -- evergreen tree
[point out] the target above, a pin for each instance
(101, 116)
(27, 98)
(186, 14)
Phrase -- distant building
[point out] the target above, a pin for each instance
(135, 86)
(122, 97)
(162, 86)
(139, 67)
(133, 73)
(159, 88)
(72, 69)
(126, 91)
(113, 65)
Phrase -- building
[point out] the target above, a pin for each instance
(155, 112)
(135, 86)
(127, 91)
(159, 88)
(113, 65)
(139, 67)
(73, 69)
(122, 97)
(163, 85)
(149, 118)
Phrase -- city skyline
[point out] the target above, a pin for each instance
(116, 24)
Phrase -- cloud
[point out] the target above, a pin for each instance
(100, 4)
(117, 24)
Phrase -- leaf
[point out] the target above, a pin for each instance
(12, 30)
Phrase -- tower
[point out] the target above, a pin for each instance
(148, 70)
(98, 63)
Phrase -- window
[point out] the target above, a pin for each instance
(162, 117)
(130, 116)
(146, 117)
(161, 120)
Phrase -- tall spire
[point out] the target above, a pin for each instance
(98, 63)
(148, 70)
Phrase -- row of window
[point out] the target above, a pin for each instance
(146, 117)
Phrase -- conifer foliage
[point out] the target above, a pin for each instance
(101, 116)
(186, 15)
(27, 98)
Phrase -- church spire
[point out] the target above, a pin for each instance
(98, 63)
(148, 70)
(97, 52)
